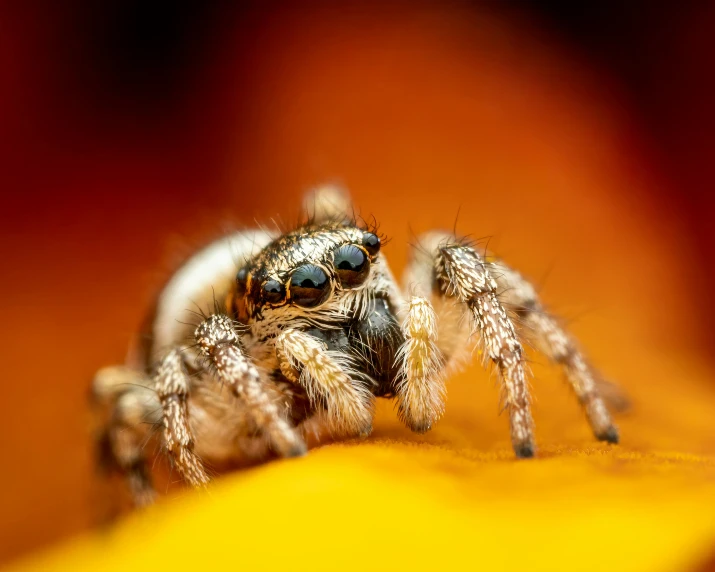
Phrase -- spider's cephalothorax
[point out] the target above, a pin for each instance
(329, 282)
(314, 327)
(307, 269)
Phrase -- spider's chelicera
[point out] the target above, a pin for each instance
(307, 329)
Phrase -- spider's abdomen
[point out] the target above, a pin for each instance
(205, 279)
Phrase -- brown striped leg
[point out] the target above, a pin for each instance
(133, 409)
(172, 386)
(461, 272)
(327, 203)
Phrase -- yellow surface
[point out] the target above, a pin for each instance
(448, 499)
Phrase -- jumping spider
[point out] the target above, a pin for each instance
(308, 328)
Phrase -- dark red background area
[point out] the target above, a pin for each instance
(89, 86)
(664, 56)
(118, 122)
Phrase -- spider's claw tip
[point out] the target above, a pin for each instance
(418, 425)
(524, 450)
(610, 435)
(422, 427)
(297, 450)
(365, 433)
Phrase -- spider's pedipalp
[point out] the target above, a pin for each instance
(553, 341)
(234, 368)
(305, 360)
(461, 273)
(420, 390)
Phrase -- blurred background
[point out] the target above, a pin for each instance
(580, 137)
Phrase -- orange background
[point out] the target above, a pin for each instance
(423, 114)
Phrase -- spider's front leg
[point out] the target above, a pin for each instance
(172, 386)
(219, 342)
(132, 406)
(324, 374)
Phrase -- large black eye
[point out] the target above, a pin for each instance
(351, 265)
(371, 242)
(241, 278)
(309, 286)
(273, 291)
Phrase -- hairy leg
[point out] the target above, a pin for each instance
(552, 340)
(219, 342)
(327, 203)
(133, 412)
(462, 273)
(305, 360)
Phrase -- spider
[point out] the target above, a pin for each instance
(307, 328)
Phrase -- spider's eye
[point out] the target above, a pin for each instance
(351, 265)
(273, 291)
(309, 286)
(241, 278)
(371, 242)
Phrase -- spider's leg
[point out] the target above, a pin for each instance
(327, 203)
(172, 386)
(420, 389)
(306, 360)
(219, 342)
(461, 272)
(133, 413)
(552, 340)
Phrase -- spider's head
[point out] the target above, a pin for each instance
(306, 269)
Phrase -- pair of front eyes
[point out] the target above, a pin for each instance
(309, 285)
